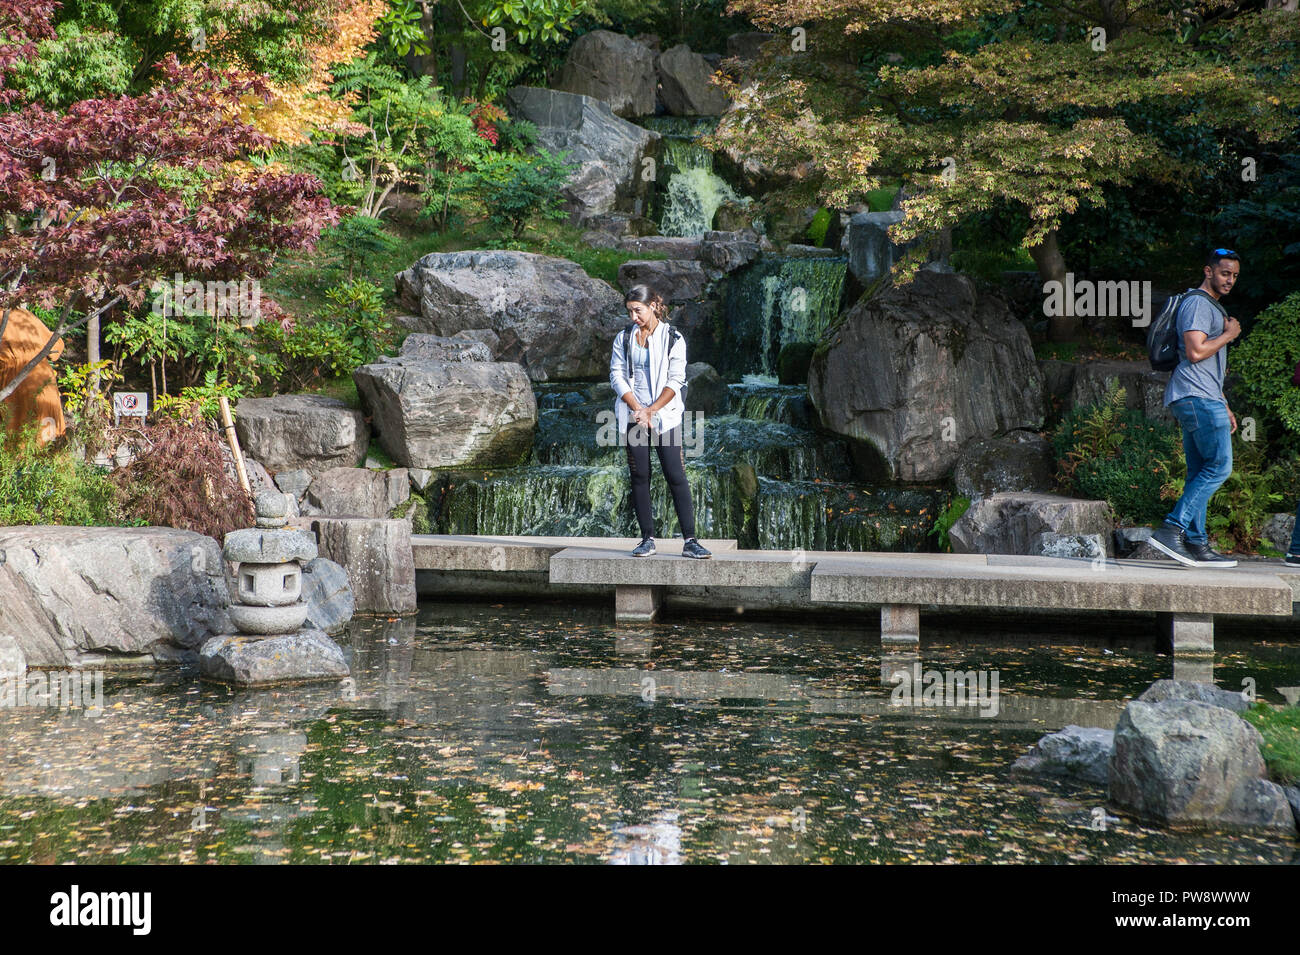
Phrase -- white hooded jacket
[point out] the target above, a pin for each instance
(667, 369)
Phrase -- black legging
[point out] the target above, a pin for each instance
(674, 467)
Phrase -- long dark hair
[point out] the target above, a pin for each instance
(648, 296)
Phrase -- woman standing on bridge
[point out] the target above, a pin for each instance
(647, 368)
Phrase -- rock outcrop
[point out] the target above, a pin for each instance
(308, 432)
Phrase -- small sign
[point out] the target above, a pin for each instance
(130, 404)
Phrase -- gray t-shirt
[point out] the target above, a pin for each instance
(1204, 378)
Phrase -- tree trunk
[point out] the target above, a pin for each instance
(1051, 268)
(92, 351)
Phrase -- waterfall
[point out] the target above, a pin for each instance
(777, 301)
(691, 191)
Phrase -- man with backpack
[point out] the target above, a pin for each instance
(1202, 330)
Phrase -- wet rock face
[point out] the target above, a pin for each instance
(1019, 461)
(433, 414)
(68, 592)
(607, 149)
(1184, 762)
(917, 372)
(306, 432)
(548, 314)
(614, 68)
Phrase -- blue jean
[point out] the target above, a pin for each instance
(1207, 445)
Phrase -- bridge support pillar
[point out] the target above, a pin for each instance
(900, 625)
(636, 604)
(1191, 634)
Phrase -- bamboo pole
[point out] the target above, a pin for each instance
(229, 423)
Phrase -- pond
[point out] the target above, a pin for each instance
(544, 733)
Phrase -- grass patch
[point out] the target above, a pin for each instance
(1280, 728)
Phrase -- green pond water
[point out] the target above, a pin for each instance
(544, 733)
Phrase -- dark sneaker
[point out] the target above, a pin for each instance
(1206, 556)
(1292, 559)
(692, 548)
(645, 549)
(1171, 540)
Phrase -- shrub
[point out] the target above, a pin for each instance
(1264, 362)
(357, 306)
(951, 515)
(50, 485)
(516, 189)
(356, 239)
(351, 332)
(179, 479)
(1115, 454)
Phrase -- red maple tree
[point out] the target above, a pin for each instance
(101, 199)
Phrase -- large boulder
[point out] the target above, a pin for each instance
(1188, 763)
(1011, 523)
(728, 251)
(1017, 461)
(306, 656)
(359, 492)
(1144, 389)
(378, 559)
(611, 67)
(434, 414)
(1079, 753)
(547, 313)
(685, 85)
(1162, 690)
(913, 374)
(706, 392)
(71, 596)
(607, 149)
(308, 432)
(1278, 530)
(676, 280)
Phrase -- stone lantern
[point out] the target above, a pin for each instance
(268, 571)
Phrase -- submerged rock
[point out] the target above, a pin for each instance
(304, 656)
(1077, 752)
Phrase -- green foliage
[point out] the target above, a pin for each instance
(1263, 363)
(352, 331)
(205, 396)
(820, 223)
(355, 240)
(82, 62)
(1265, 226)
(49, 485)
(1280, 728)
(400, 27)
(545, 20)
(951, 515)
(1112, 453)
(1239, 509)
(516, 189)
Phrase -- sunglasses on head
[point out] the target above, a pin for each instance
(1224, 252)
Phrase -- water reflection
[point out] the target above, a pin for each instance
(529, 733)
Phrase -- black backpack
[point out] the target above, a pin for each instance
(1162, 336)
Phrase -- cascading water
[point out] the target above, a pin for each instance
(691, 192)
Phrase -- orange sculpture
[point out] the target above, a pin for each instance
(37, 398)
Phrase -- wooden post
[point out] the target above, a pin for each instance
(229, 423)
